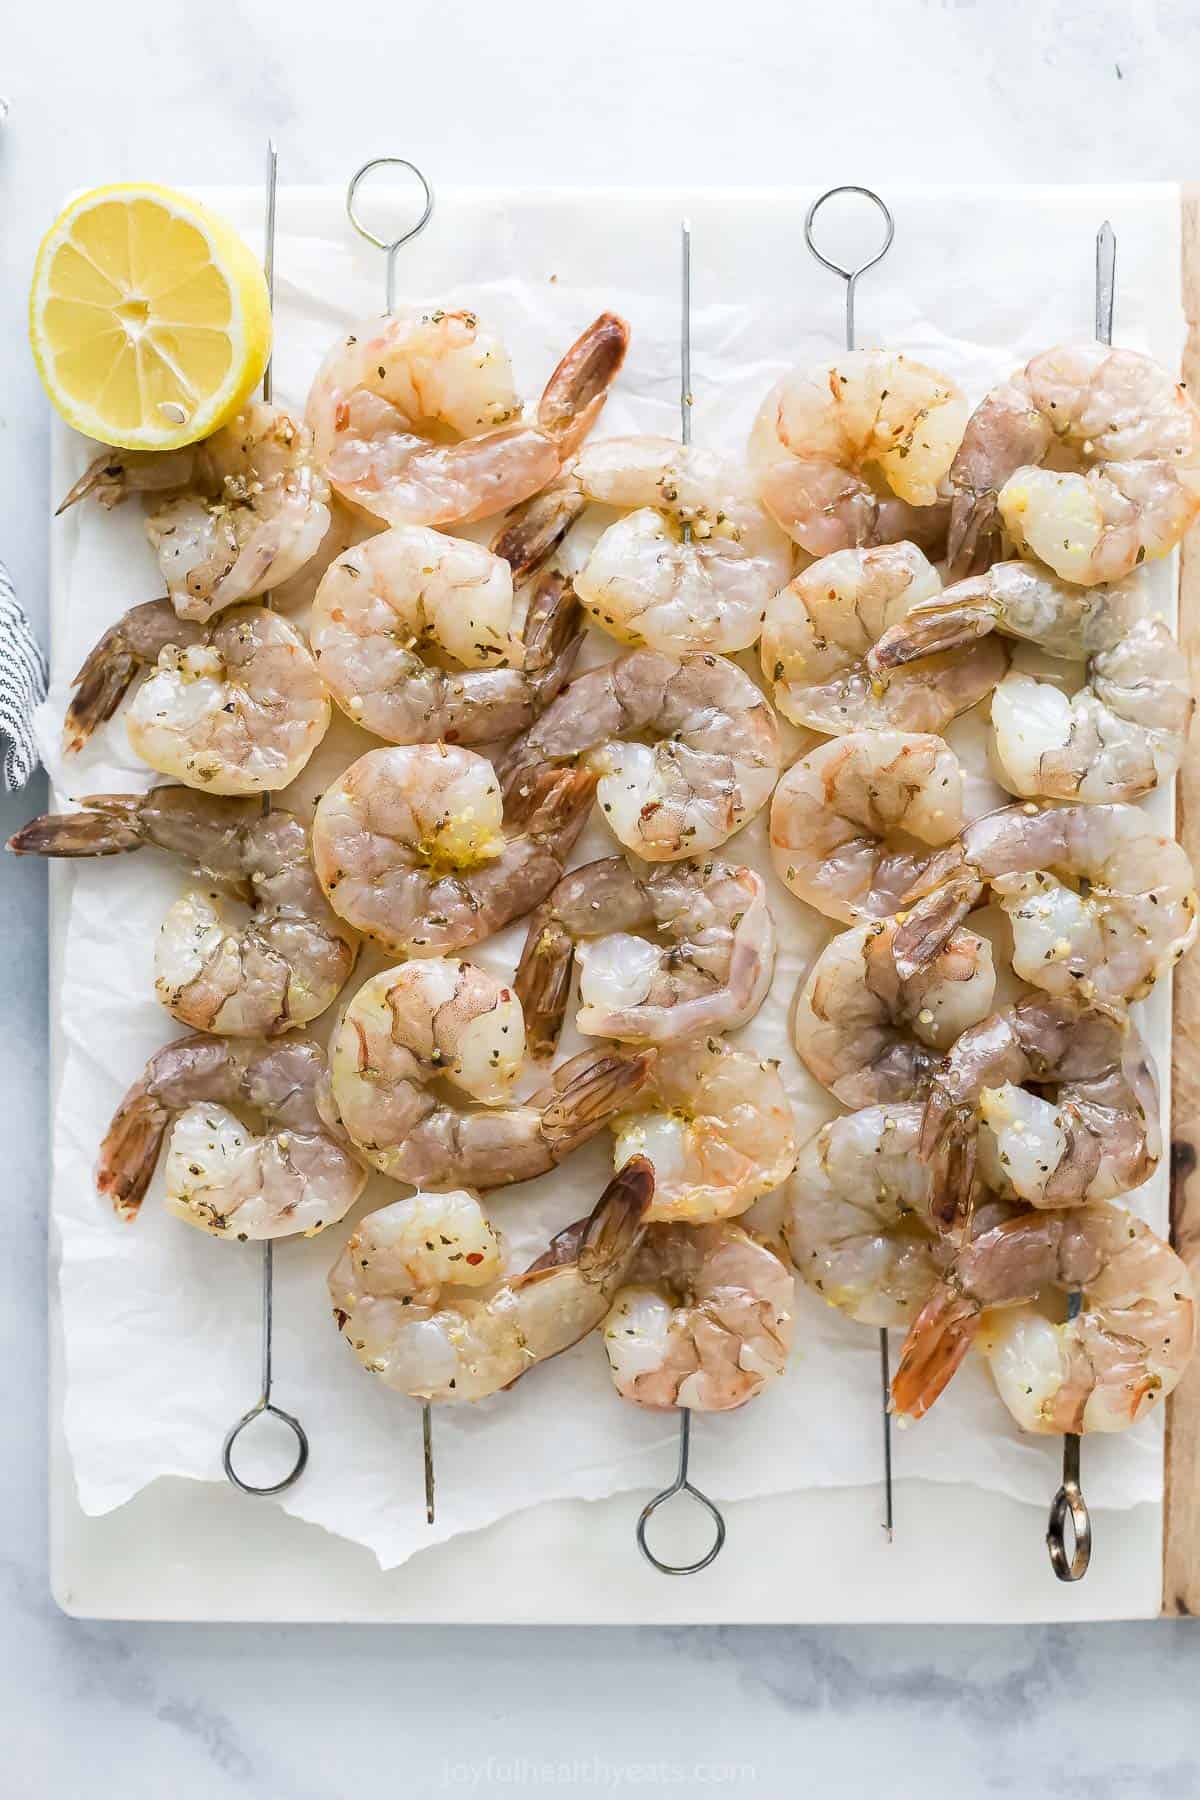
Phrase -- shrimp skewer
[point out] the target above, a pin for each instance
(1101, 905)
(283, 968)
(416, 421)
(297, 1178)
(382, 603)
(705, 1322)
(1120, 736)
(402, 1290)
(1101, 1136)
(234, 707)
(1100, 1371)
(839, 815)
(248, 508)
(853, 453)
(710, 974)
(690, 568)
(820, 628)
(415, 847)
(409, 1028)
(869, 1031)
(711, 765)
(716, 1126)
(1124, 441)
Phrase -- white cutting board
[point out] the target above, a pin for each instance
(188, 1550)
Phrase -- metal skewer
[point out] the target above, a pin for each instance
(682, 1484)
(391, 248)
(1068, 1502)
(264, 1403)
(850, 277)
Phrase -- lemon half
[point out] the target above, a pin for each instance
(149, 317)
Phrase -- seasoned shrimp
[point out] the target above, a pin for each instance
(1101, 905)
(863, 1223)
(820, 628)
(836, 813)
(281, 968)
(298, 1177)
(1099, 1138)
(870, 1033)
(248, 507)
(706, 1321)
(692, 565)
(853, 452)
(711, 766)
(415, 847)
(416, 420)
(235, 707)
(411, 1027)
(381, 605)
(1120, 735)
(398, 1299)
(709, 973)
(1090, 455)
(716, 1126)
(1100, 1371)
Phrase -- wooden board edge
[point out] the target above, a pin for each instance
(1181, 1499)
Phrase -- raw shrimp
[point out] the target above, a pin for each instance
(1101, 904)
(235, 707)
(706, 1321)
(1099, 1137)
(397, 1299)
(853, 452)
(248, 507)
(298, 1177)
(414, 845)
(410, 1027)
(870, 1033)
(716, 1126)
(820, 628)
(863, 1223)
(1127, 1348)
(416, 420)
(1090, 455)
(383, 605)
(836, 813)
(711, 765)
(692, 567)
(709, 973)
(285, 965)
(1120, 735)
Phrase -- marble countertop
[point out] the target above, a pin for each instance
(1039, 90)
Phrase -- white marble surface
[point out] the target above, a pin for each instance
(522, 91)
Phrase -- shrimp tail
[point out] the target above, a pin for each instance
(938, 1340)
(106, 825)
(553, 636)
(543, 982)
(929, 630)
(587, 1092)
(551, 803)
(100, 686)
(104, 477)
(129, 1151)
(616, 1224)
(953, 1154)
(575, 394)
(976, 536)
(535, 529)
(612, 1231)
(928, 926)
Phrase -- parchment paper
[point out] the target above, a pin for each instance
(160, 1322)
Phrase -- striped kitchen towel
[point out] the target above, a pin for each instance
(23, 678)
